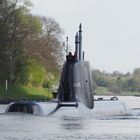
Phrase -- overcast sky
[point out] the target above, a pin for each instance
(111, 29)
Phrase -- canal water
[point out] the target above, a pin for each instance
(75, 124)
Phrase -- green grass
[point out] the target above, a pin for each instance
(101, 91)
(105, 91)
(24, 92)
(130, 93)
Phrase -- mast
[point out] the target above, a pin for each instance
(67, 45)
(76, 46)
(80, 42)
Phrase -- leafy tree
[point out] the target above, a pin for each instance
(136, 72)
(47, 47)
(118, 82)
(16, 23)
(113, 87)
(32, 74)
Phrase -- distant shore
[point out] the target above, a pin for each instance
(104, 91)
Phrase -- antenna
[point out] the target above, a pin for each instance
(67, 45)
(76, 46)
(80, 42)
(83, 55)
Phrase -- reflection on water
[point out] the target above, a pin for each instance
(70, 124)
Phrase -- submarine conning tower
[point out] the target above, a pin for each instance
(78, 44)
(76, 80)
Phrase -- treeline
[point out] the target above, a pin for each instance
(30, 45)
(117, 82)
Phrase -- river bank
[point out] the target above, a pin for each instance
(24, 93)
(106, 92)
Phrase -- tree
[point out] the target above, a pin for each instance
(136, 72)
(25, 37)
(16, 23)
(47, 47)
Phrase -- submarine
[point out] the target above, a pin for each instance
(76, 80)
(75, 84)
(75, 92)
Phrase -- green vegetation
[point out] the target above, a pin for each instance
(25, 92)
(29, 58)
(101, 91)
(33, 74)
(117, 83)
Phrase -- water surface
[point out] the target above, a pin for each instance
(73, 124)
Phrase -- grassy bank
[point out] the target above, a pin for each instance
(105, 91)
(25, 92)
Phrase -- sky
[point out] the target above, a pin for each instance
(111, 29)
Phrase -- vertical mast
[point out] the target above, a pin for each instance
(76, 46)
(67, 46)
(80, 42)
(83, 55)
